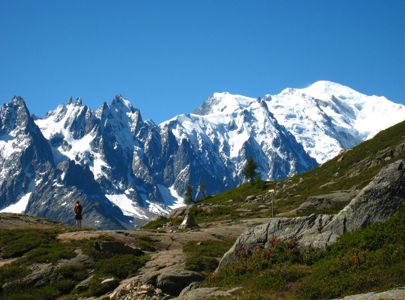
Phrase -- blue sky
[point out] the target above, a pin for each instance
(168, 56)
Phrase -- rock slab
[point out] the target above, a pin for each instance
(376, 202)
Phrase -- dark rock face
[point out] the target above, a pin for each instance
(376, 202)
(173, 284)
(25, 154)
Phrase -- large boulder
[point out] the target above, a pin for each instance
(173, 284)
(376, 202)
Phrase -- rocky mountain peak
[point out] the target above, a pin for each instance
(14, 115)
(122, 104)
(78, 101)
(143, 168)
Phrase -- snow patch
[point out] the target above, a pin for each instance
(156, 208)
(127, 206)
(18, 207)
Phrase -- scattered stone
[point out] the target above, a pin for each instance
(243, 210)
(327, 184)
(137, 290)
(250, 198)
(117, 247)
(108, 280)
(84, 285)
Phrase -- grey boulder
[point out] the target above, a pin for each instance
(376, 202)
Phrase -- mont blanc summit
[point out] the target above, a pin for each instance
(126, 170)
(327, 117)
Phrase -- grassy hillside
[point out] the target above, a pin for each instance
(349, 171)
(372, 259)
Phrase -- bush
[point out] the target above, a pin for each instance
(204, 256)
(120, 266)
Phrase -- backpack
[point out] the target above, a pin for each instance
(78, 209)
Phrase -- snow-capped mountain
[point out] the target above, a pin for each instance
(119, 148)
(31, 182)
(327, 117)
(226, 130)
(126, 170)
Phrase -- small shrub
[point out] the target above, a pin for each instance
(120, 266)
(204, 257)
(98, 289)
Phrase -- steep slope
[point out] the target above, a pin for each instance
(31, 182)
(327, 117)
(219, 137)
(24, 155)
(120, 149)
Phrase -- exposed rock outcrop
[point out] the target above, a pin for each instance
(376, 202)
(394, 294)
(193, 292)
(323, 202)
(188, 222)
(173, 284)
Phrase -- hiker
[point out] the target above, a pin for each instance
(78, 209)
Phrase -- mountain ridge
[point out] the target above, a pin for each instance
(142, 168)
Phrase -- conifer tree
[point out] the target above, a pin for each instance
(201, 189)
(188, 194)
(249, 171)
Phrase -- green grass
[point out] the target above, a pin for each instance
(381, 249)
(204, 256)
(289, 272)
(41, 246)
(144, 242)
(352, 169)
(221, 208)
(15, 243)
(160, 221)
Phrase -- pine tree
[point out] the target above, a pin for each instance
(201, 188)
(188, 194)
(249, 171)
